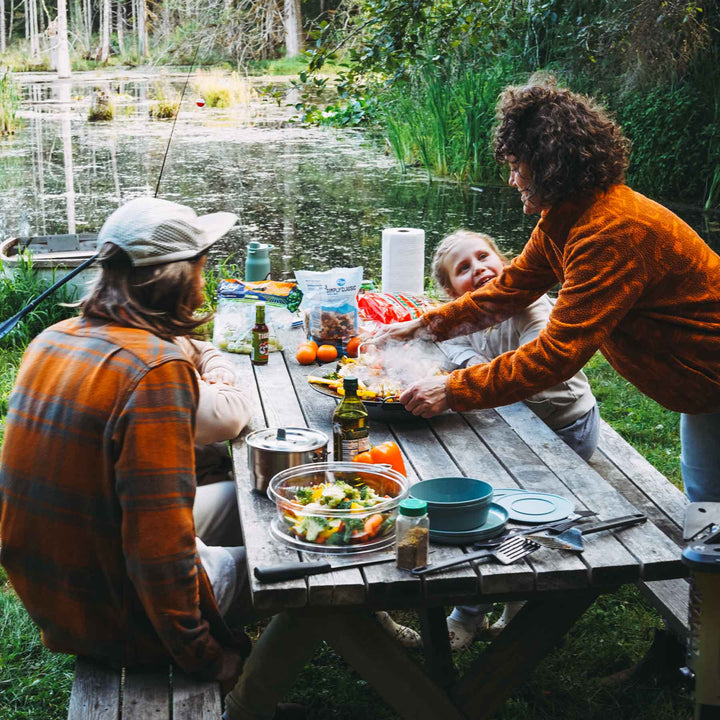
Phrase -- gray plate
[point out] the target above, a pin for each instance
(536, 507)
(495, 524)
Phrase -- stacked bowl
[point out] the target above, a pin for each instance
(460, 509)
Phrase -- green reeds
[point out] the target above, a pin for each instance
(443, 121)
(167, 101)
(102, 108)
(222, 90)
(9, 102)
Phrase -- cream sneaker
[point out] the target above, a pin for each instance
(406, 636)
(462, 635)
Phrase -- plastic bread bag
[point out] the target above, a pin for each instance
(235, 314)
(385, 308)
(329, 304)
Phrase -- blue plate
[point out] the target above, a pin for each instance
(496, 521)
(536, 507)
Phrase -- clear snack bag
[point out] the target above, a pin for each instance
(329, 304)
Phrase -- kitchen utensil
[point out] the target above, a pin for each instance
(557, 527)
(274, 449)
(454, 503)
(494, 525)
(512, 550)
(572, 539)
(317, 527)
(536, 507)
(292, 571)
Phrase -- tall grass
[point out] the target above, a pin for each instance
(441, 119)
(222, 90)
(9, 102)
(166, 102)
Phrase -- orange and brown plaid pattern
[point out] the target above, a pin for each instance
(97, 484)
(638, 284)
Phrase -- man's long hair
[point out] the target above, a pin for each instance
(568, 141)
(156, 298)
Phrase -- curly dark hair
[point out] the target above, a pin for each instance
(567, 140)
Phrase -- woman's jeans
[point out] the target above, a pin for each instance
(700, 456)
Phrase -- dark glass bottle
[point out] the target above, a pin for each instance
(351, 427)
(260, 337)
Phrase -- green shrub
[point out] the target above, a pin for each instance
(166, 103)
(9, 103)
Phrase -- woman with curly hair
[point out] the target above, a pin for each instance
(636, 282)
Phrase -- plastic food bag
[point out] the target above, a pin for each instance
(235, 314)
(393, 307)
(330, 303)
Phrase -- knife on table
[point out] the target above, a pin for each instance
(293, 571)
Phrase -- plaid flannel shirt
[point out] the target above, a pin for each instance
(97, 484)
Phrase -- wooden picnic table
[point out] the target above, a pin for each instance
(508, 447)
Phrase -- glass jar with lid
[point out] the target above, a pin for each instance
(412, 534)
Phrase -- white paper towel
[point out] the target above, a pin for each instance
(403, 260)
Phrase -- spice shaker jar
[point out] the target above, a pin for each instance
(412, 534)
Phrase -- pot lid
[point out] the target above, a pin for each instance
(287, 439)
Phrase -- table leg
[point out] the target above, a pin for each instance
(357, 636)
(510, 659)
(436, 644)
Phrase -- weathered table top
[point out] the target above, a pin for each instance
(508, 447)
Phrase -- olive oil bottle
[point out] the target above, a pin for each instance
(351, 427)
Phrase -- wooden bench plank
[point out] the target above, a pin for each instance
(95, 692)
(146, 696)
(194, 699)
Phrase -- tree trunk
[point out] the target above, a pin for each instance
(292, 19)
(33, 29)
(2, 26)
(105, 20)
(143, 50)
(120, 20)
(87, 7)
(63, 52)
(11, 21)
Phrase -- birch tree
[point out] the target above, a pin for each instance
(2, 26)
(32, 34)
(105, 20)
(63, 52)
(292, 19)
(143, 49)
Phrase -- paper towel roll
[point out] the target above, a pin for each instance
(403, 260)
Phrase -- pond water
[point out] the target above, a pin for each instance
(321, 196)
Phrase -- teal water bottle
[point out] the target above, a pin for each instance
(257, 264)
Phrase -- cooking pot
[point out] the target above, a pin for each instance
(274, 449)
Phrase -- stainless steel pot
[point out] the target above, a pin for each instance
(275, 449)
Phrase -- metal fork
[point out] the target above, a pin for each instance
(512, 550)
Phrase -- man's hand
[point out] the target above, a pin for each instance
(219, 375)
(230, 670)
(427, 397)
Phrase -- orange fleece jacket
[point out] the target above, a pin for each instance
(638, 284)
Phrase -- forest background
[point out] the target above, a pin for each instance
(426, 73)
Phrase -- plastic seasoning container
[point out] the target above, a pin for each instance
(412, 534)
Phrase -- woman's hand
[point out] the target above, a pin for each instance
(427, 397)
(401, 331)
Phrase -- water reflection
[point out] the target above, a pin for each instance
(320, 196)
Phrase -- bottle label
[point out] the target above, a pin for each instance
(260, 347)
(353, 446)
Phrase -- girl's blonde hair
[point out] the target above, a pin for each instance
(441, 272)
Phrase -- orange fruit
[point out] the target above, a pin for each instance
(327, 353)
(305, 354)
(312, 344)
(352, 347)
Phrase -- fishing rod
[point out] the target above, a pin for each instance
(10, 323)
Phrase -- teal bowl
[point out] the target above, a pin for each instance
(455, 503)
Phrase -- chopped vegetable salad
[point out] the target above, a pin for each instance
(359, 526)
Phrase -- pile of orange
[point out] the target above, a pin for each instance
(308, 352)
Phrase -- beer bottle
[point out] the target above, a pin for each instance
(260, 337)
(351, 428)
